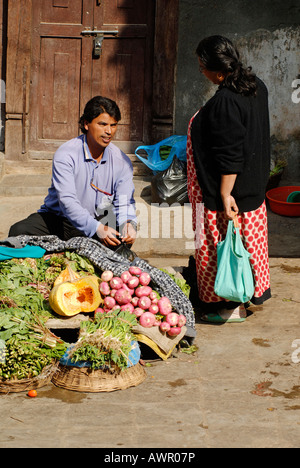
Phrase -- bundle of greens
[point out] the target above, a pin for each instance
(29, 345)
(50, 266)
(106, 341)
(164, 152)
(278, 167)
(21, 288)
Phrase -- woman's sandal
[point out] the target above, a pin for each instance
(217, 317)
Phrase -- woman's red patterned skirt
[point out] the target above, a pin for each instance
(210, 227)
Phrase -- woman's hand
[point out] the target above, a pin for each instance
(230, 207)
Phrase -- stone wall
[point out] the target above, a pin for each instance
(267, 33)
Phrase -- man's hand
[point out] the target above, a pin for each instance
(108, 236)
(128, 234)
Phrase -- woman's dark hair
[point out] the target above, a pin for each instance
(217, 53)
(96, 106)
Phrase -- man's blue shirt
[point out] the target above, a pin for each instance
(71, 194)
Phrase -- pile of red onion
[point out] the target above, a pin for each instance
(131, 291)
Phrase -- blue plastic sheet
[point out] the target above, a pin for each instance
(133, 357)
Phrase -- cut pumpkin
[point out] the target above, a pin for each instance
(71, 297)
(66, 275)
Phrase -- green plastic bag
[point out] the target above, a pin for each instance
(234, 280)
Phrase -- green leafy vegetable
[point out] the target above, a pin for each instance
(106, 341)
(164, 151)
(25, 285)
(29, 345)
(279, 166)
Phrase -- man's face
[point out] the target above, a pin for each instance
(101, 130)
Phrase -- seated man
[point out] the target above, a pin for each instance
(90, 178)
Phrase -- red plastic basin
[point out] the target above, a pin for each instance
(277, 200)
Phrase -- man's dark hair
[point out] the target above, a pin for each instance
(96, 106)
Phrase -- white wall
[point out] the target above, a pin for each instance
(267, 33)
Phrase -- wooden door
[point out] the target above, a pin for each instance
(65, 73)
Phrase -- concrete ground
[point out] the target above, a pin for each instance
(239, 389)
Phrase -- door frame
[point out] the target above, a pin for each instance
(19, 62)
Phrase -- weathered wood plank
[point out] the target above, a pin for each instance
(18, 54)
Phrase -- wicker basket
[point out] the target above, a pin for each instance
(84, 379)
(24, 385)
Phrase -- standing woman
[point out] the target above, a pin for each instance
(228, 155)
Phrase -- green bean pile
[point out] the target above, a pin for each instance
(28, 345)
(23, 361)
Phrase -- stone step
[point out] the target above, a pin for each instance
(34, 177)
(24, 185)
(43, 164)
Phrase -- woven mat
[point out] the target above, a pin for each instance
(161, 343)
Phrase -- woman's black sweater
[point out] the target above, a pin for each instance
(231, 135)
